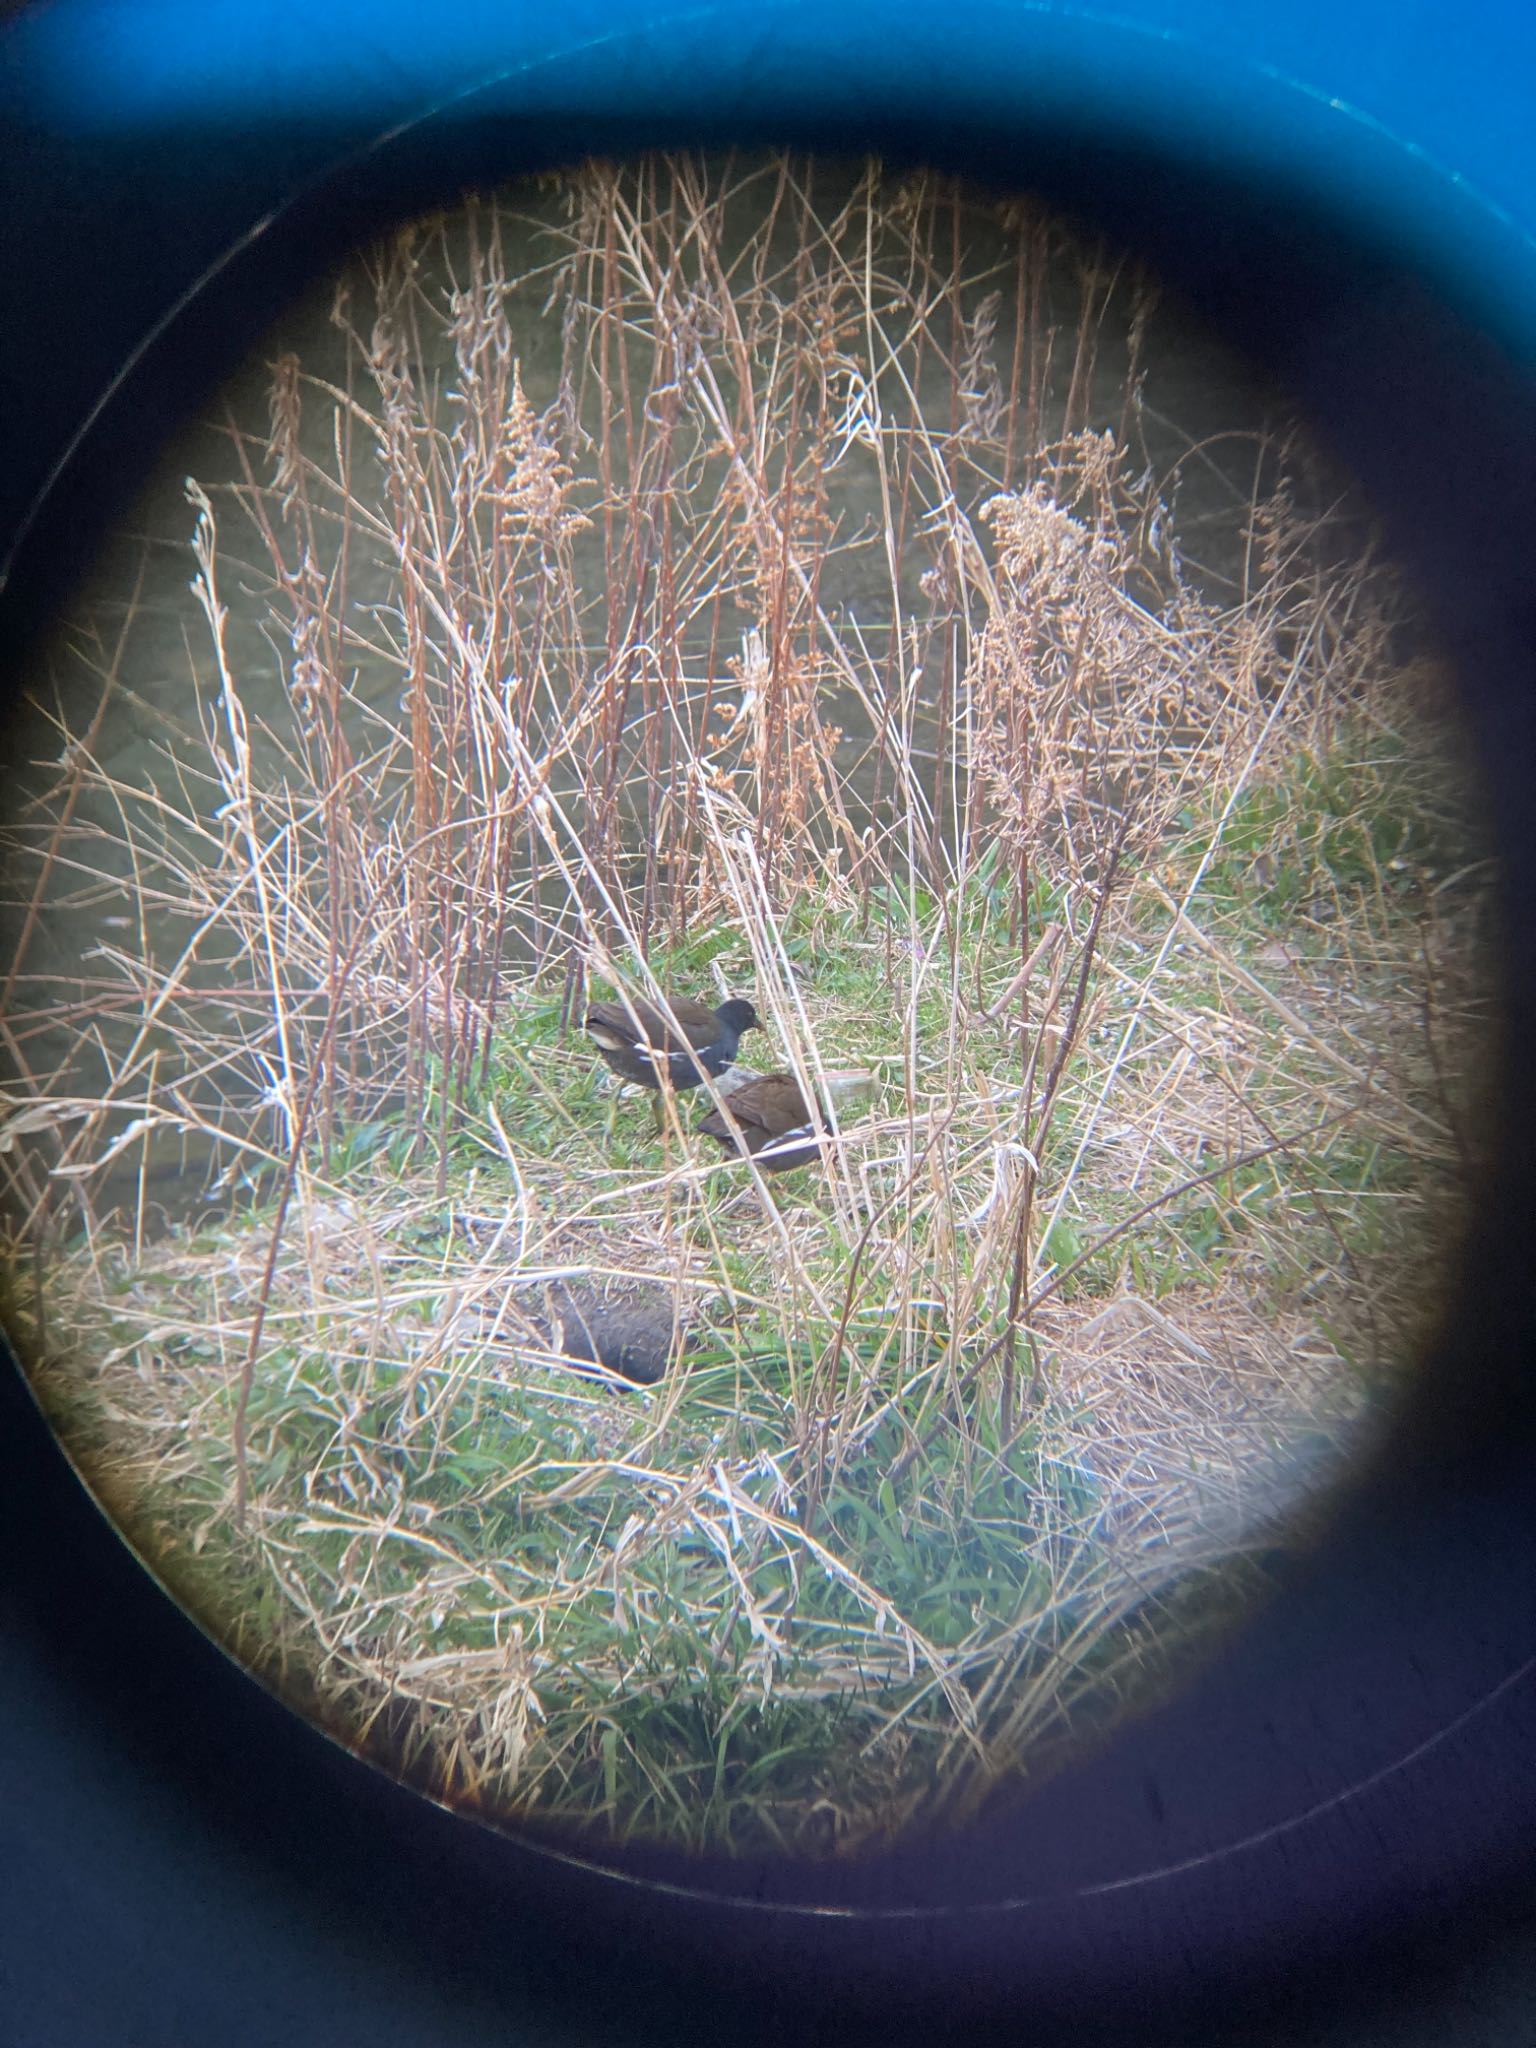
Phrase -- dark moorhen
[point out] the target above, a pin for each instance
(704, 1041)
(774, 1122)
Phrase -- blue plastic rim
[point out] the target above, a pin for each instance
(1407, 127)
(1417, 118)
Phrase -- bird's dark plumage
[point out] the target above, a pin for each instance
(775, 1124)
(704, 1041)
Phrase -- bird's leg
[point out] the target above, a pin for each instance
(746, 1199)
(613, 1114)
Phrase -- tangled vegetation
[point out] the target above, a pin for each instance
(738, 579)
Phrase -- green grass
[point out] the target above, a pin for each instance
(977, 1420)
(806, 1652)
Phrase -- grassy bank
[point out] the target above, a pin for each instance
(1145, 889)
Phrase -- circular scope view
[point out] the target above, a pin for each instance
(743, 946)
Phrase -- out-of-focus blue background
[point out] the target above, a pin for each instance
(1350, 95)
(182, 126)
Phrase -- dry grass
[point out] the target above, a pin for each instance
(819, 622)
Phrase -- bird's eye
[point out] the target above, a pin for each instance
(745, 971)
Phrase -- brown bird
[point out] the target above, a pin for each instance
(644, 1048)
(774, 1122)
